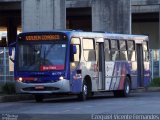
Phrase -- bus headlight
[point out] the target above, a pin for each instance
(20, 79)
(61, 78)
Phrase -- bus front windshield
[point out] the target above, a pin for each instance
(41, 57)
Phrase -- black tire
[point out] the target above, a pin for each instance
(85, 92)
(39, 98)
(126, 90)
(127, 87)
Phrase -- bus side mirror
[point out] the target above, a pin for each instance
(73, 49)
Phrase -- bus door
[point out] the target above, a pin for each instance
(140, 65)
(101, 63)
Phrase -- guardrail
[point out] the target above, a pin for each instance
(6, 66)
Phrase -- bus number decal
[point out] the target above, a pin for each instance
(52, 67)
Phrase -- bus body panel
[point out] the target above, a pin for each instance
(147, 74)
(89, 69)
(48, 88)
(116, 73)
(76, 81)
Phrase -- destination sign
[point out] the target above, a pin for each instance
(42, 37)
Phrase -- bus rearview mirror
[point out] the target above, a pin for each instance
(73, 49)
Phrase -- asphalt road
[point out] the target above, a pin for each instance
(71, 108)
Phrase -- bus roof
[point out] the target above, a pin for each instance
(109, 35)
(74, 33)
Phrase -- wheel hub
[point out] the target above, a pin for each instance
(85, 89)
(127, 88)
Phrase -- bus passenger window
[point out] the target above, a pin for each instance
(145, 51)
(123, 50)
(145, 46)
(114, 50)
(114, 44)
(76, 57)
(131, 50)
(122, 45)
(107, 50)
(123, 55)
(89, 50)
(146, 55)
(130, 45)
(115, 55)
(131, 56)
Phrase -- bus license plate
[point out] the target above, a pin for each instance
(39, 87)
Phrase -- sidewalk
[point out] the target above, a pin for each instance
(21, 97)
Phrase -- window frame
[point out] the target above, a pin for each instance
(132, 50)
(94, 47)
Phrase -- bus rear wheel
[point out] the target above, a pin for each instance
(126, 90)
(127, 87)
(39, 98)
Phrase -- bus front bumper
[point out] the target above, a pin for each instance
(61, 86)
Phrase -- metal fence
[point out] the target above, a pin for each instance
(6, 66)
(155, 63)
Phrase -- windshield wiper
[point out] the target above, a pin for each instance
(44, 56)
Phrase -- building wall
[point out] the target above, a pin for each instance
(148, 28)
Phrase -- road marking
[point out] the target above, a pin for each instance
(89, 106)
(77, 108)
(66, 110)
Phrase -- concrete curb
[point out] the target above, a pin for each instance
(21, 97)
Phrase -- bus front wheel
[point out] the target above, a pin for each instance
(85, 92)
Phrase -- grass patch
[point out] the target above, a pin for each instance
(155, 82)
